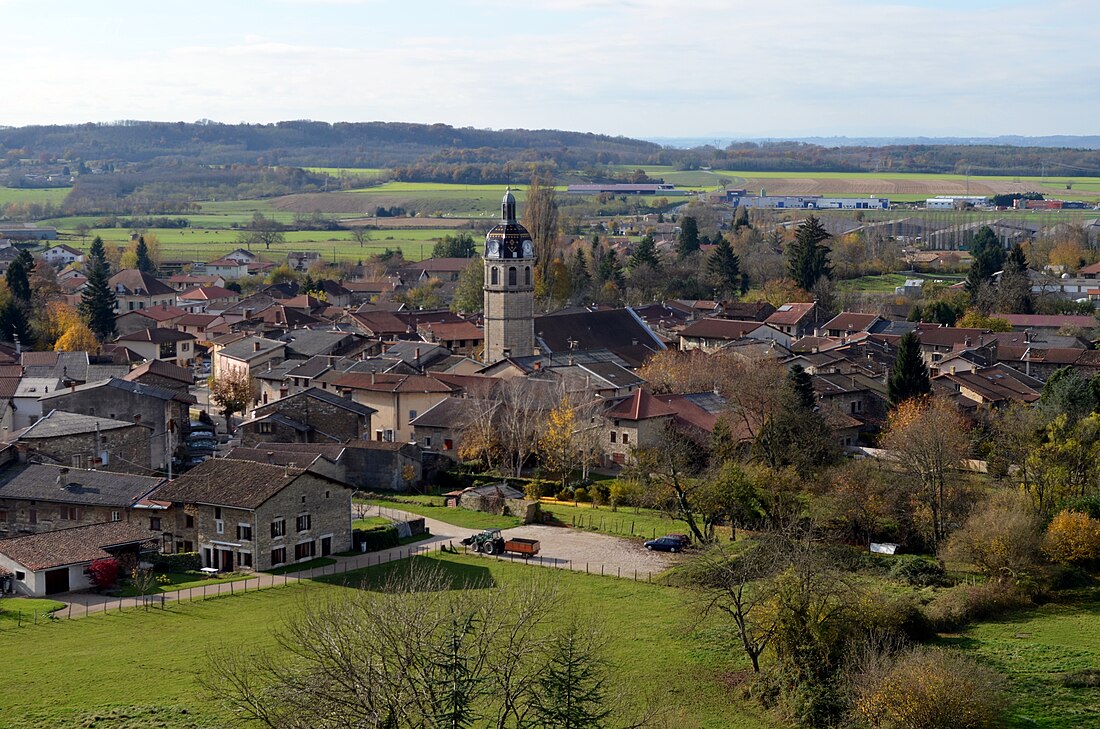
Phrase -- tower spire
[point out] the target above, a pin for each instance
(508, 207)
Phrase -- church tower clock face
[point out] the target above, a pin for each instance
(528, 249)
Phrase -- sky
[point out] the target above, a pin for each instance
(639, 68)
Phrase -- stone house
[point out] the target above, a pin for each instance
(83, 441)
(396, 399)
(246, 515)
(50, 563)
(162, 374)
(248, 354)
(363, 464)
(797, 319)
(635, 421)
(167, 412)
(313, 415)
(40, 498)
(207, 299)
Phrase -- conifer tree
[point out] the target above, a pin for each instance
(807, 256)
(802, 387)
(725, 266)
(689, 236)
(988, 258)
(98, 301)
(97, 253)
(572, 685)
(610, 270)
(646, 254)
(909, 376)
(14, 324)
(18, 277)
(144, 262)
(578, 272)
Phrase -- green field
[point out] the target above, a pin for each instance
(627, 521)
(19, 611)
(136, 668)
(375, 172)
(1034, 650)
(433, 508)
(53, 195)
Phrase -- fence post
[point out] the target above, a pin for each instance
(204, 592)
(631, 527)
(231, 588)
(36, 617)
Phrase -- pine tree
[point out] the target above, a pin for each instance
(97, 253)
(144, 262)
(742, 219)
(18, 277)
(609, 269)
(98, 301)
(572, 685)
(725, 266)
(909, 376)
(689, 236)
(802, 387)
(988, 258)
(807, 256)
(646, 254)
(14, 324)
(578, 272)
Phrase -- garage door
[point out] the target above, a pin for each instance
(57, 581)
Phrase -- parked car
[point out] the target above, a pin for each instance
(665, 544)
(202, 444)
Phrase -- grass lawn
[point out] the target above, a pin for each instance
(137, 668)
(433, 508)
(627, 521)
(1034, 650)
(18, 610)
(55, 195)
(371, 522)
(182, 581)
(299, 566)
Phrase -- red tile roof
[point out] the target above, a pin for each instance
(206, 293)
(451, 331)
(719, 329)
(789, 314)
(640, 406)
(72, 546)
(850, 321)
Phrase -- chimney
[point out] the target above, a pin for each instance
(372, 377)
(255, 346)
(537, 366)
(966, 342)
(1027, 336)
(416, 357)
(137, 418)
(62, 477)
(271, 457)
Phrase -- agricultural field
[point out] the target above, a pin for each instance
(431, 199)
(151, 660)
(55, 195)
(901, 187)
(341, 172)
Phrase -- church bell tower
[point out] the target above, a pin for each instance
(509, 287)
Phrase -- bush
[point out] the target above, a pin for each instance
(963, 604)
(383, 537)
(104, 573)
(1002, 539)
(1073, 537)
(927, 688)
(1086, 678)
(182, 562)
(581, 495)
(918, 571)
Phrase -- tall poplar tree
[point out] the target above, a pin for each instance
(909, 376)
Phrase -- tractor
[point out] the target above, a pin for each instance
(488, 542)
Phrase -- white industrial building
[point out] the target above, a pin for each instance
(950, 202)
(809, 202)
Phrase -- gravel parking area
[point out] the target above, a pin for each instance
(576, 548)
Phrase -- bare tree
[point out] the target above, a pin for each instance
(411, 652)
(540, 216)
(361, 234)
(233, 391)
(521, 419)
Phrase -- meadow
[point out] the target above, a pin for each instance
(135, 668)
(55, 195)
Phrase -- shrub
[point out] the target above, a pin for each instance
(1002, 539)
(383, 537)
(104, 572)
(564, 495)
(927, 688)
(1073, 537)
(964, 604)
(581, 495)
(181, 562)
(1085, 678)
(918, 571)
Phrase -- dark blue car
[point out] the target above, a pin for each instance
(666, 544)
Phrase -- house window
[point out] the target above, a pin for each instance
(245, 559)
(494, 276)
(527, 275)
(278, 555)
(189, 521)
(168, 350)
(217, 512)
(626, 438)
(3, 515)
(188, 545)
(116, 516)
(304, 523)
(327, 493)
(412, 415)
(448, 444)
(154, 523)
(512, 276)
(71, 513)
(304, 550)
(278, 528)
(264, 428)
(219, 526)
(614, 436)
(244, 532)
(21, 576)
(33, 516)
(428, 442)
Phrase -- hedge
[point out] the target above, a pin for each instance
(383, 537)
(181, 562)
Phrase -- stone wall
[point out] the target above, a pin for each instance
(127, 450)
(332, 422)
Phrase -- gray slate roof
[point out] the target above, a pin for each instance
(60, 423)
(137, 388)
(245, 350)
(41, 482)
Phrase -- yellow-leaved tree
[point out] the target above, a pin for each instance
(1073, 537)
(75, 336)
(558, 444)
